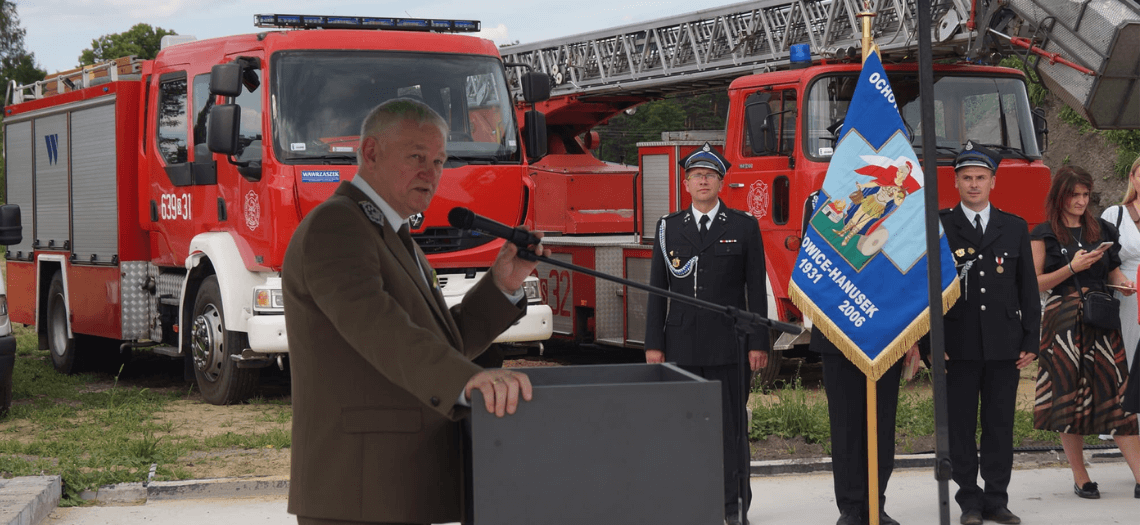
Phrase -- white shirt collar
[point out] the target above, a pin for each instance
(985, 214)
(393, 219)
(712, 213)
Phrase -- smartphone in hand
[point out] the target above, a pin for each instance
(1104, 246)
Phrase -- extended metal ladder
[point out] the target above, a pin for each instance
(708, 48)
(711, 47)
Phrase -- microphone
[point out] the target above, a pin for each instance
(466, 219)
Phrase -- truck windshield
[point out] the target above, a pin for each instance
(990, 110)
(320, 99)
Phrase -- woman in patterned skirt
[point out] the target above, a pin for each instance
(1082, 371)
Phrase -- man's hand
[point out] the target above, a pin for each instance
(654, 357)
(510, 271)
(757, 359)
(1024, 360)
(500, 389)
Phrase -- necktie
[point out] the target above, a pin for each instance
(406, 238)
(978, 225)
(704, 229)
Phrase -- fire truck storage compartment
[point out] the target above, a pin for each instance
(18, 156)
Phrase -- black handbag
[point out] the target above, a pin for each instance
(1099, 309)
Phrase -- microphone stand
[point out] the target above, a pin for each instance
(746, 323)
(744, 318)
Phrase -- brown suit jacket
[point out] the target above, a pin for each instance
(377, 363)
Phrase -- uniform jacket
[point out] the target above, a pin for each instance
(729, 271)
(378, 362)
(998, 315)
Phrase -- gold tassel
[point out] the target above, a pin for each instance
(874, 369)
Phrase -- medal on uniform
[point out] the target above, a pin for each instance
(960, 253)
(970, 251)
(999, 261)
(676, 262)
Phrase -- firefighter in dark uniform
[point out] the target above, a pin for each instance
(846, 389)
(716, 254)
(991, 333)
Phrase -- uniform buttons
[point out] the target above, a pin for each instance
(982, 273)
(983, 290)
(980, 256)
(983, 307)
(434, 401)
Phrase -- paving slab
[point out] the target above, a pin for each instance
(28, 500)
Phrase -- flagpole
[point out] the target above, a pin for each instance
(934, 262)
(872, 388)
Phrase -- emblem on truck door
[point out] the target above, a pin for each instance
(758, 198)
(252, 210)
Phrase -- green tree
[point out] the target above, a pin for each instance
(683, 113)
(142, 41)
(16, 63)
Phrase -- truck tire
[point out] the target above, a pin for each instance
(62, 347)
(211, 345)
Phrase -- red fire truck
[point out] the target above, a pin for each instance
(159, 196)
(781, 126)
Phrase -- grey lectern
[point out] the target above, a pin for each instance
(606, 444)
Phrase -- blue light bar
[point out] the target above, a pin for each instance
(352, 22)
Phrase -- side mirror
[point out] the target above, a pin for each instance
(226, 79)
(1040, 129)
(535, 134)
(536, 87)
(11, 229)
(763, 140)
(225, 120)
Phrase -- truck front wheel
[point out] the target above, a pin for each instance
(218, 376)
(62, 346)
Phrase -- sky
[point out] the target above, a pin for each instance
(59, 30)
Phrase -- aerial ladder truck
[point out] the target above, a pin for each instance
(789, 67)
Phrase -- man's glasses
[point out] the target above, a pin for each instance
(701, 176)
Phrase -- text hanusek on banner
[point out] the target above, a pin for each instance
(861, 272)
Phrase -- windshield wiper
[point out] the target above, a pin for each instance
(1009, 149)
(462, 159)
(328, 159)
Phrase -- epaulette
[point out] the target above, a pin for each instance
(674, 214)
(741, 212)
(945, 211)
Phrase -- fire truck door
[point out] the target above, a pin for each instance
(760, 183)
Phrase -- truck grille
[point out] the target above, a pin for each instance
(444, 240)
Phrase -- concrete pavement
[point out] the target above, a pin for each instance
(1041, 496)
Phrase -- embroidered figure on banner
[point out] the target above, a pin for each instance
(872, 202)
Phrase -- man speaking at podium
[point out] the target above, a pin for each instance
(381, 368)
(713, 253)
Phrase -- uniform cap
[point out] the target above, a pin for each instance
(976, 155)
(705, 157)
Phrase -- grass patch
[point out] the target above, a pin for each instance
(791, 410)
(93, 430)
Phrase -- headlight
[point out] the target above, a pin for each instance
(268, 300)
(530, 286)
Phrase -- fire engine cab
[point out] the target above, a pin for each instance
(160, 195)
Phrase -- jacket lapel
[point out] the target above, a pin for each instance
(689, 228)
(407, 262)
(993, 229)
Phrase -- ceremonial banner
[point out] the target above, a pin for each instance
(861, 272)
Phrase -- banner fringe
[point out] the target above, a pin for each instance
(873, 369)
